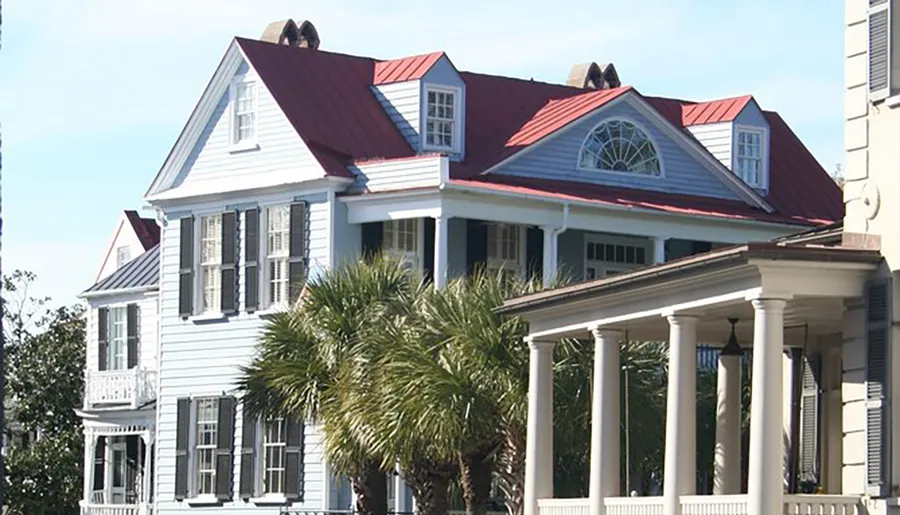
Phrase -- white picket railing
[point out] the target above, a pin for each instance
(117, 509)
(705, 505)
(134, 387)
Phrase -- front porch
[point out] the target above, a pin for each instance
(789, 303)
(118, 467)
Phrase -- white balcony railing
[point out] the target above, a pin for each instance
(117, 509)
(131, 387)
(705, 505)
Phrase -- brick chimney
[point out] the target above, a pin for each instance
(594, 76)
(287, 32)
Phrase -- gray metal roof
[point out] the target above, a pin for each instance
(141, 272)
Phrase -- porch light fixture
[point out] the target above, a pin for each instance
(732, 348)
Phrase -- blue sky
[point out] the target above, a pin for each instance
(93, 93)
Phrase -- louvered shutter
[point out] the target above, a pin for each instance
(810, 399)
(372, 237)
(428, 250)
(228, 271)
(224, 448)
(186, 268)
(102, 338)
(880, 69)
(182, 440)
(100, 463)
(251, 260)
(297, 264)
(534, 252)
(476, 245)
(878, 332)
(247, 487)
(131, 329)
(293, 460)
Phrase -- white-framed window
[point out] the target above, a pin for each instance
(620, 146)
(211, 263)
(277, 245)
(274, 444)
(749, 162)
(117, 358)
(403, 239)
(244, 112)
(608, 256)
(505, 249)
(441, 118)
(206, 417)
(123, 255)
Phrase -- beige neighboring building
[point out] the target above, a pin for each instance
(818, 316)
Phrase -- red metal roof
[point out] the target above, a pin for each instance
(404, 69)
(146, 229)
(328, 99)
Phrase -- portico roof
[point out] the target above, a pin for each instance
(713, 285)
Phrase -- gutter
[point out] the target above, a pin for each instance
(118, 291)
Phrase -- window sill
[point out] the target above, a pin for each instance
(206, 318)
(892, 101)
(271, 311)
(203, 500)
(244, 146)
(269, 500)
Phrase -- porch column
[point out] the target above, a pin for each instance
(147, 472)
(539, 438)
(90, 447)
(727, 480)
(680, 472)
(551, 255)
(765, 488)
(659, 249)
(605, 419)
(441, 238)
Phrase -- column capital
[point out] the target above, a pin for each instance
(540, 345)
(682, 319)
(605, 333)
(767, 303)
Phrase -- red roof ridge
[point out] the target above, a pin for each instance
(405, 68)
(252, 41)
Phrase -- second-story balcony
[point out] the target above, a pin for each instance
(128, 388)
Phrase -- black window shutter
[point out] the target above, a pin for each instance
(372, 237)
(428, 251)
(229, 263)
(878, 333)
(534, 252)
(810, 398)
(186, 268)
(293, 460)
(251, 260)
(248, 456)
(182, 439)
(99, 463)
(102, 338)
(131, 327)
(297, 266)
(476, 245)
(224, 447)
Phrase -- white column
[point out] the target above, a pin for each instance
(605, 420)
(90, 447)
(727, 480)
(659, 249)
(680, 472)
(539, 438)
(765, 489)
(441, 239)
(147, 472)
(551, 255)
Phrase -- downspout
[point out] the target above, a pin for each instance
(554, 252)
(565, 222)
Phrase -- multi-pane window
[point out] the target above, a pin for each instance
(504, 248)
(439, 123)
(123, 255)
(244, 112)
(401, 239)
(749, 157)
(207, 417)
(211, 262)
(278, 233)
(118, 339)
(603, 259)
(274, 443)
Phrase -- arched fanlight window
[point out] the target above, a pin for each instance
(620, 146)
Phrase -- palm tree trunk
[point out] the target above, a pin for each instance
(431, 485)
(476, 472)
(371, 490)
(511, 472)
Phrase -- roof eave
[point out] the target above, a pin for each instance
(88, 294)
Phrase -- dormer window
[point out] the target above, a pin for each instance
(243, 114)
(749, 160)
(440, 121)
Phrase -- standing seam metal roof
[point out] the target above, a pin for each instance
(142, 271)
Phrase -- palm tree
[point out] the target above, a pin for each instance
(311, 357)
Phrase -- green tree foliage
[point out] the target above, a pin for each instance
(44, 385)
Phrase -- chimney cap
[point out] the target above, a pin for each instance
(287, 32)
(594, 76)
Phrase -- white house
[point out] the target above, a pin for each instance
(819, 312)
(296, 159)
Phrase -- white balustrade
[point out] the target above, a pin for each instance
(132, 386)
(821, 505)
(704, 505)
(117, 509)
